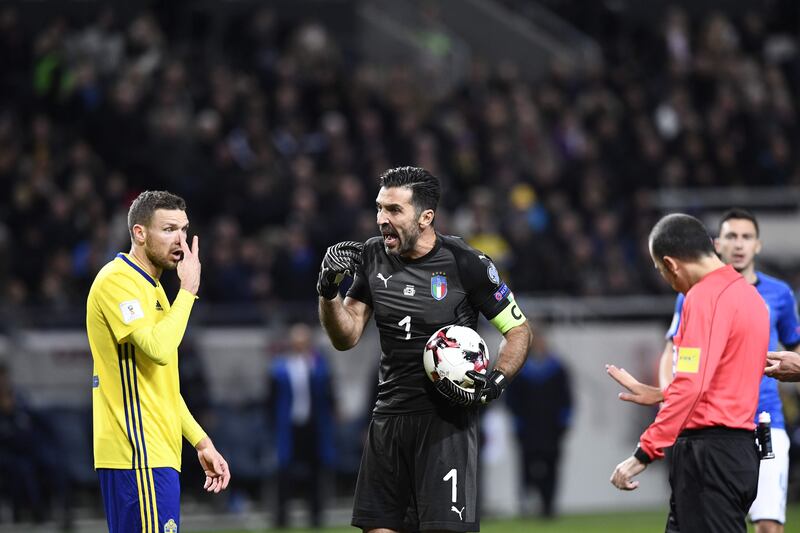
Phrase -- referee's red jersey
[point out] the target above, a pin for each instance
(720, 353)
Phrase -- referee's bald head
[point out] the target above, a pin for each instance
(682, 237)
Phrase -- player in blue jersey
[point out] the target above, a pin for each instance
(738, 244)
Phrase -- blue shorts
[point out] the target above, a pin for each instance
(141, 501)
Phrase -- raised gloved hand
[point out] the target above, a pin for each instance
(488, 387)
(340, 260)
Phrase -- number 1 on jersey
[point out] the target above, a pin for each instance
(453, 474)
(407, 323)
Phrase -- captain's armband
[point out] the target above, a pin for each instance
(508, 318)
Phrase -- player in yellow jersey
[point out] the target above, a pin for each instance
(134, 333)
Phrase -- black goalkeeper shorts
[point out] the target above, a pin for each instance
(419, 472)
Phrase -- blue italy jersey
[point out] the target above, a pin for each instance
(784, 329)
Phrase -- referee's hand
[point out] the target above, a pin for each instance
(622, 478)
(637, 392)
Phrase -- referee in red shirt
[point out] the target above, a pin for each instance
(708, 410)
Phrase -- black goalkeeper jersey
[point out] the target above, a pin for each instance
(412, 299)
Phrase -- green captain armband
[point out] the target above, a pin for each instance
(509, 317)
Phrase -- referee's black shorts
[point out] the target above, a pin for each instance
(419, 472)
(714, 480)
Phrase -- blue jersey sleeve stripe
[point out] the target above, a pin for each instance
(130, 420)
(139, 466)
(129, 384)
(141, 431)
(138, 406)
(125, 405)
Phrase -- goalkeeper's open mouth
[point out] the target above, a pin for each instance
(390, 238)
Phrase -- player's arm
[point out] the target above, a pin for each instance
(511, 356)
(788, 323)
(343, 320)
(785, 365)
(160, 342)
(190, 428)
(513, 350)
(665, 365)
(496, 302)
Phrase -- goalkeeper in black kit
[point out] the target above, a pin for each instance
(420, 464)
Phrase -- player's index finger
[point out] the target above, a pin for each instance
(195, 244)
(622, 377)
(616, 373)
(184, 245)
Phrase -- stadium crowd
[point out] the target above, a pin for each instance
(276, 140)
(276, 132)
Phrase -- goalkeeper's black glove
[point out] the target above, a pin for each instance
(488, 387)
(455, 394)
(340, 260)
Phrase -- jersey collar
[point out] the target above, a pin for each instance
(138, 269)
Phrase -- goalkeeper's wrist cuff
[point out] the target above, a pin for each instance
(642, 456)
(499, 378)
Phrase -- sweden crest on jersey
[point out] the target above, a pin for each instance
(438, 285)
(171, 526)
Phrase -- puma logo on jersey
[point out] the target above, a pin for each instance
(158, 306)
(453, 508)
(384, 280)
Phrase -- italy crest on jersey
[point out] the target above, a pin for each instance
(439, 285)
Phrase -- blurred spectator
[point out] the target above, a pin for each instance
(302, 408)
(540, 400)
(196, 394)
(30, 477)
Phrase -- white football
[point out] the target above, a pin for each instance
(451, 352)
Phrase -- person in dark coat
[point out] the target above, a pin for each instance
(540, 400)
(302, 410)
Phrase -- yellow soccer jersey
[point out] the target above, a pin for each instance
(139, 415)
